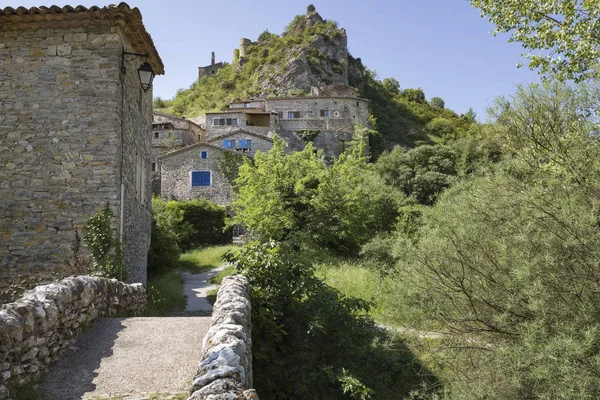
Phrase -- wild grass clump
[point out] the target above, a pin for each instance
(197, 261)
(165, 295)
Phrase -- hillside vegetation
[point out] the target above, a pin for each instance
(314, 51)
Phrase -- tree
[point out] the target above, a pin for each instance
(470, 116)
(298, 197)
(437, 102)
(423, 172)
(416, 95)
(566, 33)
(391, 85)
(509, 260)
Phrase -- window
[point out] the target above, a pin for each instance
(244, 145)
(204, 154)
(229, 144)
(156, 134)
(216, 122)
(324, 113)
(153, 167)
(200, 178)
(234, 121)
(293, 114)
(228, 121)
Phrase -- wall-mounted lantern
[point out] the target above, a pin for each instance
(145, 72)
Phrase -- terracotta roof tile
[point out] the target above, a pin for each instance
(129, 19)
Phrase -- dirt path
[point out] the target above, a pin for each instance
(196, 287)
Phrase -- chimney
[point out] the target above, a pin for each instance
(212, 59)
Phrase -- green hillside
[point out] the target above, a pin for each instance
(278, 65)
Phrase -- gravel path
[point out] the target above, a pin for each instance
(128, 356)
(196, 287)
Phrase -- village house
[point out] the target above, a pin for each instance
(246, 127)
(170, 133)
(74, 124)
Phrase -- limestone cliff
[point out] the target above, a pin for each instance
(314, 53)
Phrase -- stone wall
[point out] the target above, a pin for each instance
(259, 142)
(35, 328)
(176, 168)
(72, 129)
(225, 372)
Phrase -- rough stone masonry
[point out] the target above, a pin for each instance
(74, 136)
(35, 328)
(225, 372)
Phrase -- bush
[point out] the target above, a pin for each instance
(104, 245)
(310, 341)
(193, 223)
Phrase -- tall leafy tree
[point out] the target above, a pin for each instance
(563, 36)
(298, 197)
(507, 263)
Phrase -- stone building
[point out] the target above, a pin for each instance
(210, 69)
(74, 123)
(327, 121)
(194, 172)
(169, 133)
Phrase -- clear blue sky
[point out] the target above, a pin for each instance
(443, 46)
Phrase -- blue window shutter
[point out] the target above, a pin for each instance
(205, 175)
(242, 144)
(203, 154)
(196, 178)
(200, 178)
(226, 143)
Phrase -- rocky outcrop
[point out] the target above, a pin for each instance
(35, 328)
(321, 61)
(225, 372)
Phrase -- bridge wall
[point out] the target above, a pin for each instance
(35, 328)
(225, 372)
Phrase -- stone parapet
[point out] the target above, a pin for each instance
(36, 327)
(225, 372)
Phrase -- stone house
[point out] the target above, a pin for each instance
(194, 172)
(169, 133)
(246, 127)
(74, 123)
(327, 121)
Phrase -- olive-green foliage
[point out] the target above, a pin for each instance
(507, 263)
(104, 245)
(415, 95)
(423, 172)
(400, 119)
(192, 223)
(311, 342)
(437, 102)
(164, 251)
(299, 197)
(229, 165)
(562, 34)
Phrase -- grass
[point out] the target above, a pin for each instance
(353, 279)
(211, 295)
(197, 261)
(165, 295)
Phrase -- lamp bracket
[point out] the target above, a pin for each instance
(135, 55)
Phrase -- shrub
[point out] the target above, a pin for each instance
(104, 246)
(192, 223)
